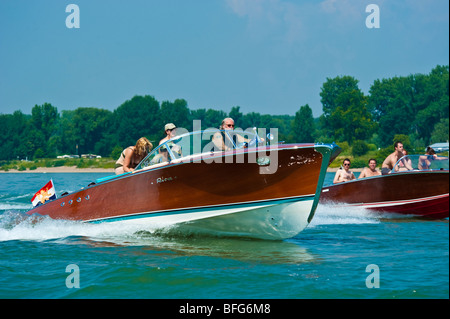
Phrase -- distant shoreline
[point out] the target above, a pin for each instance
(74, 169)
(62, 169)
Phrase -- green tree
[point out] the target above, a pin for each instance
(404, 139)
(116, 151)
(390, 103)
(209, 118)
(68, 137)
(252, 119)
(359, 148)
(303, 125)
(86, 128)
(14, 136)
(433, 102)
(441, 131)
(176, 112)
(410, 105)
(44, 124)
(345, 114)
(135, 118)
(45, 119)
(236, 115)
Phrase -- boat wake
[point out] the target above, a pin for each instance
(328, 214)
(165, 240)
(16, 225)
(14, 206)
(332, 215)
(19, 226)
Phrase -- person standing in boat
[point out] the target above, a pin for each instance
(133, 155)
(392, 158)
(344, 175)
(371, 170)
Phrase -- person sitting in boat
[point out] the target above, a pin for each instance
(221, 140)
(161, 157)
(170, 130)
(344, 175)
(392, 158)
(371, 170)
(430, 156)
(405, 163)
(132, 156)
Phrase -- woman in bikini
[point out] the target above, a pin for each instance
(133, 155)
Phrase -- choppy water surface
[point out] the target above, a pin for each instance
(339, 255)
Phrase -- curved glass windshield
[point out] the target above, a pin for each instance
(421, 162)
(200, 142)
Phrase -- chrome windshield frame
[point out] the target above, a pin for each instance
(421, 163)
(168, 145)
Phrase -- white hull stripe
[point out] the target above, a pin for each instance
(231, 207)
(398, 203)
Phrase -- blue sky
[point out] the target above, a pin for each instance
(266, 56)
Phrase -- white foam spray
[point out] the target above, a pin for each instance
(338, 215)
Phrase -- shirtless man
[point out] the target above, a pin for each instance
(344, 175)
(390, 161)
(371, 170)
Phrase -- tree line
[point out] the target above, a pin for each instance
(415, 106)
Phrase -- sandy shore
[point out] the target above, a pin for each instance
(74, 169)
(63, 169)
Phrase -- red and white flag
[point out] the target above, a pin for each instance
(44, 194)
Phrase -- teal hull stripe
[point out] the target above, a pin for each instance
(199, 209)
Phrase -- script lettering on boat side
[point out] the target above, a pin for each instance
(160, 180)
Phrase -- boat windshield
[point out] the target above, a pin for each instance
(421, 163)
(200, 142)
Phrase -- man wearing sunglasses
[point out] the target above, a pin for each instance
(344, 175)
(223, 142)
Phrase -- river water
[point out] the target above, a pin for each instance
(343, 253)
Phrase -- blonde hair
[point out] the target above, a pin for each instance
(143, 146)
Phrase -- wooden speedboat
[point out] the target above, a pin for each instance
(416, 186)
(253, 190)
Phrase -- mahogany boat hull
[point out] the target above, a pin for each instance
(418, 193)
(229, 196)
